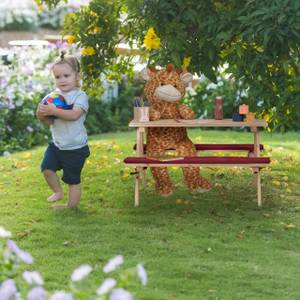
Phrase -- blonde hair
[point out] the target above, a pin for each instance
(71, 60)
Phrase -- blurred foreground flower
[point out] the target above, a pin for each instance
(81, 272)
(120, 294)
(113, 264)
(61, 295)
(142, 274)
(4, 233)
(107, 285)
(80, 289)
(20, 254)
(33, 278)
(8, 289)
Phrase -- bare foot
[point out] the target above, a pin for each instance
(62, 206)
(55, 197)
(68, 205)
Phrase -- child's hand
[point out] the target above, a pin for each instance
(47, 110)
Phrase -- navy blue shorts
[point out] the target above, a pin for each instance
(70, 161)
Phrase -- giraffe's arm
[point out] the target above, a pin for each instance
(154, 114)
(186, 112)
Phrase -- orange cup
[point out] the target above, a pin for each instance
(243, 109)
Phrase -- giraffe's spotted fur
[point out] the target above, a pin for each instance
(159, 140)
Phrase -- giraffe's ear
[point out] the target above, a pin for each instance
(146, 74)
(186, 77)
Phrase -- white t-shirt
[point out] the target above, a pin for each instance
(70, 135)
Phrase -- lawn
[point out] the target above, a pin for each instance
(217, 245)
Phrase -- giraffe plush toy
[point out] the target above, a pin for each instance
(164, 89)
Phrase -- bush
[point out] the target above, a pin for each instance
(202, 98)
(26, 16)
(25, 79)
(23, 83)
(18, 15)
(54, 17)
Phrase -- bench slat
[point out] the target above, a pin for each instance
(219, 147)
(196, 160)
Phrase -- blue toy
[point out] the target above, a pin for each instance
(58, 100)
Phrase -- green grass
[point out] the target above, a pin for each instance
(217, 245)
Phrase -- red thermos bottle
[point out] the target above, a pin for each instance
(218, 108)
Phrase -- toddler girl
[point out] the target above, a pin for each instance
(68, 149)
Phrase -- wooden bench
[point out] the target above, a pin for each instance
(220, 148)
(256, 163)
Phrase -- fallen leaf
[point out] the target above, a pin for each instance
(289, 226)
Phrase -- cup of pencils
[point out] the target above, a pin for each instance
(140, 110)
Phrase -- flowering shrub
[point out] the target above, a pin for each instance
(202, 98)
(23, 83)
(26, 15)
(24, 80)
(18, 15)
(11, 257)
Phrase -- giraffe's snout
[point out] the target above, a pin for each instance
(167, 93)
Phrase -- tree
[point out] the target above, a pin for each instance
(258, 42)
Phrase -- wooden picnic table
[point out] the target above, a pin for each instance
(255, 161)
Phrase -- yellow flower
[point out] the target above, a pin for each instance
(151, 40)
(88, 51)
(94, 30)
(186, 62)
(276, 182)
(94, 14)
(40, 8)
(70, 39)
(71, 15)
(27, 155)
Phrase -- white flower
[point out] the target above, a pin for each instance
(142, 274)
(106, 286)
(29, 129)
(4, 233)
(113, 264)
(7, 289)
(81, 272)
(211, 86)
(33, 278)
(37, 293)
(6, 153)
(61, 295)
(21, 254)
(190, 91)
(120, 294)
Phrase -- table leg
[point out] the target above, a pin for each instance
(140, 141)
(137, 189)
(255, 130)
(256, 153)
(140, 171)
(258, 185)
